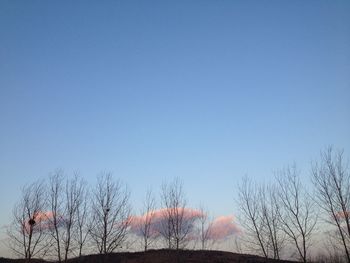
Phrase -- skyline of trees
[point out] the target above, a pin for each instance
(63, 217)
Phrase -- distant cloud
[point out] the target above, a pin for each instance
(223, 227)
(42, 220)
(159, 217)
(342, 215)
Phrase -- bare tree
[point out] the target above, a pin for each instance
(111, 214)
(56, 207)
(82, 227)
(331, 178)
(250, 217)
(270, 213)
(66, 198)
(165, 228)
(331, 251)
(237, 244)
(27, 234)
(74, 192)
(177, 225)
(298, 215)
(205, 229)
(145, 224)
(260, 218)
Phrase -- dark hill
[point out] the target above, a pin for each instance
(165, 256)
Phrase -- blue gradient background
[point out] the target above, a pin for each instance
(204, 90)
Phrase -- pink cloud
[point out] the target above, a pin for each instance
(222, 227)
(41, 220)
(342, 215)
(42, 216)
(158, 217)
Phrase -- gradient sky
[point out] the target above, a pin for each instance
(204, 90)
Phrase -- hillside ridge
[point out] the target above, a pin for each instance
(163, 256)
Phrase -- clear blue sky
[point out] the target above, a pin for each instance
(204, 90)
